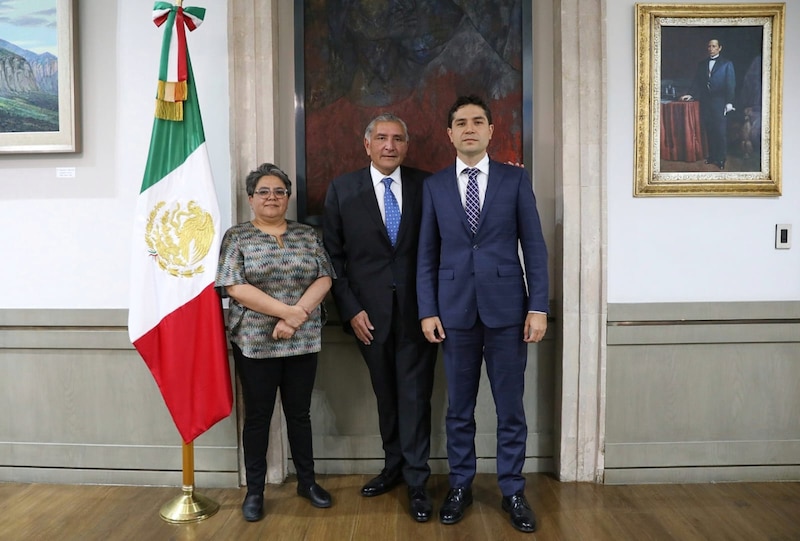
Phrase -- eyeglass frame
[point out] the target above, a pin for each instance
(265, 192)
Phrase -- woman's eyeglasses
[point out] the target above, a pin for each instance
(279, 193)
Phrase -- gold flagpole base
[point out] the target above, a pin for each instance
(188, 507)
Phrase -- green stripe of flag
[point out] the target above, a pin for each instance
(173, 141)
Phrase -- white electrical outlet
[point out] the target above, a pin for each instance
(783, 236)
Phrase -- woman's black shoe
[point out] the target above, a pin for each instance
(317, 495)
(253, 507)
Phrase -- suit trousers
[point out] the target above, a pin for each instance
(506, 358)
(261, 379)
(401, 370)
(715, 123)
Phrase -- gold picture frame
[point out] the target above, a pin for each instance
(39, 113)
(691, 139)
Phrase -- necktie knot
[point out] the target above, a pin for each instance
(392, 210)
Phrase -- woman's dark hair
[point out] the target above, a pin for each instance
(264, 170)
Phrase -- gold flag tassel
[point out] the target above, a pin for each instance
(169, 100)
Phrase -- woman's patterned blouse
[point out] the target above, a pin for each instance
(250, 256)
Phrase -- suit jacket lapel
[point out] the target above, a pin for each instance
(411, 194)
(492, 188)
(366, 194)
(717, 65)
(457, 203)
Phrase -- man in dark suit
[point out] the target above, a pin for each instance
(370, 230)
(471, 286)
(714, 86)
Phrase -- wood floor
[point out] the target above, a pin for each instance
(566, 511)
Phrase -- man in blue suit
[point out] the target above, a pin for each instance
(714, 86)
(476, 299)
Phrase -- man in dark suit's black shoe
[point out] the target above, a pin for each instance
(520, 512)
(419, 504)
(382, 483)
(456, 502)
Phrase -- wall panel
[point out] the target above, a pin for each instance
(85, 409)
(703, 392)
(80, 406)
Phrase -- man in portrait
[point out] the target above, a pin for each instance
(714, 86)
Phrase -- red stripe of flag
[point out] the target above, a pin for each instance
(191, 390)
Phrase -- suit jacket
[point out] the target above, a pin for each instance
(368, 269)
(721, 84)
(460, 277)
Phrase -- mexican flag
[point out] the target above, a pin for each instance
(175, 319)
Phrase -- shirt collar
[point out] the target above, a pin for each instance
(377, 176)
(482, 166)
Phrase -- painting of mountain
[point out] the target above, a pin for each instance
(39, 100)
(28, 90)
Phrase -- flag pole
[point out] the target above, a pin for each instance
(182, 211)
(188, 507)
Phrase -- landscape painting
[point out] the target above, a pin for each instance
(37, 90)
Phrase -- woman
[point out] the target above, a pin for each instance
(276, 274)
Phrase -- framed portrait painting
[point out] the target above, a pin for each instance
(708, 99)
(357, 59)
(38, 94)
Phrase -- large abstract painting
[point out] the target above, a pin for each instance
(359, 58)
